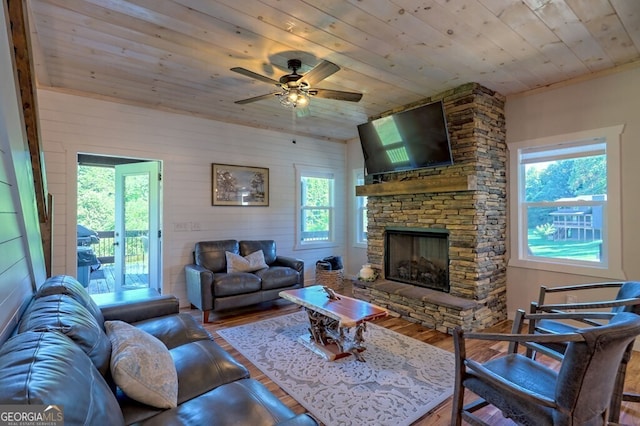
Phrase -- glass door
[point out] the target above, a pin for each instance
(137, 239)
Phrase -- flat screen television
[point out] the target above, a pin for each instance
(408, 140)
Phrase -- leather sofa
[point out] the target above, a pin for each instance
(213, 286)
(59, 354)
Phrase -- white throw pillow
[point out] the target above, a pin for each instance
(249, 263)
(142, 366)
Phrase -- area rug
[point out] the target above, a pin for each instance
(401, 380)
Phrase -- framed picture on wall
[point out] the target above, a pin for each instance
(239, 185)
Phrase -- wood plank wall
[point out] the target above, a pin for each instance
(21, 256)
(186, 146)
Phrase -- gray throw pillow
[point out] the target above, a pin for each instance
(249, 263)
(142, 366)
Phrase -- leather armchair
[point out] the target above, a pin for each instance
(626, 299)
(210, 287)
(531, 393)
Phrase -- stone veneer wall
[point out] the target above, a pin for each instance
(475, 219)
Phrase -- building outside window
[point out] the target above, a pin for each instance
(315, 188)
(567, 208)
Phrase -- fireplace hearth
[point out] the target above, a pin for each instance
(418, 256)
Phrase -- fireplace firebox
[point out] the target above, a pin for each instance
(417, 256)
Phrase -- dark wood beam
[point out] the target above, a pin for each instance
(26, 80)
(23, 62)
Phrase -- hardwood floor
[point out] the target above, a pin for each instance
(477, 350)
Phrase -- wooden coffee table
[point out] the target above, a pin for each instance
(331, 318)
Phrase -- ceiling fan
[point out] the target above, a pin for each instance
(296, 89)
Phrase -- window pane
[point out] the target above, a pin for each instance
(317, 192)
(567, 232)
(564, 200)
(364, 226)
(567, 178)
(361, 213)
(315, 224)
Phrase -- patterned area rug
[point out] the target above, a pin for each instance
(401, 380)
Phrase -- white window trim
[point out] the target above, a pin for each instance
(358, 174)
(613, 243)
(321, 172)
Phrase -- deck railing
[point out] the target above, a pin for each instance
(136, 246)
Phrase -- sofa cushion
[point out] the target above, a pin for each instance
(63, 313)
(249, 263)
(243, 402)
(278, 277)
(174, 330)
(202, 366)
(235, 283)
(211, 254)
(65, 284)
(49, 368)
(142, 366)
(268, 248)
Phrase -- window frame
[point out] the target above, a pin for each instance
(360, 208)
(610, 266)
(314, 172)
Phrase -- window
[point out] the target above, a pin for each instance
(316, 203)
(361, 213)
(567, 207)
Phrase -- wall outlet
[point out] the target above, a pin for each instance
(572, 298)
(181, 226)
(195, 226)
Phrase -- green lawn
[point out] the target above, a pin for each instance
(565, 249)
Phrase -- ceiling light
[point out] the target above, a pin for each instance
(294, 97)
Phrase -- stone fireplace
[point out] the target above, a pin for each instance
(465, 202)
(417, 256)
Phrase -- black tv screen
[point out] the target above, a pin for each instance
(412, 139)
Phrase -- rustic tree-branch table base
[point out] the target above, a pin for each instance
(336, 323)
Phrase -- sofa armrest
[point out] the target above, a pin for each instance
(136, 305)
(299, 420)
(199, 291)
(297, 264)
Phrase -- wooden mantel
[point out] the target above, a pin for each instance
(426, 184)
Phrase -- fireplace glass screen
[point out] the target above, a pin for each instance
(418, 257)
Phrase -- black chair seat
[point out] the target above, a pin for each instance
(522, 372)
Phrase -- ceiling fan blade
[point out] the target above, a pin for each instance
(337, 94)
(255, 99)
(321, 71)
(252, 74)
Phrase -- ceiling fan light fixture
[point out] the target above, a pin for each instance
(292, 98)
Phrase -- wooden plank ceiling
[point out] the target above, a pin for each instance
(176, 54)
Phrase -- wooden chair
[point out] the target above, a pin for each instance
(627, 299)
(531, 393)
